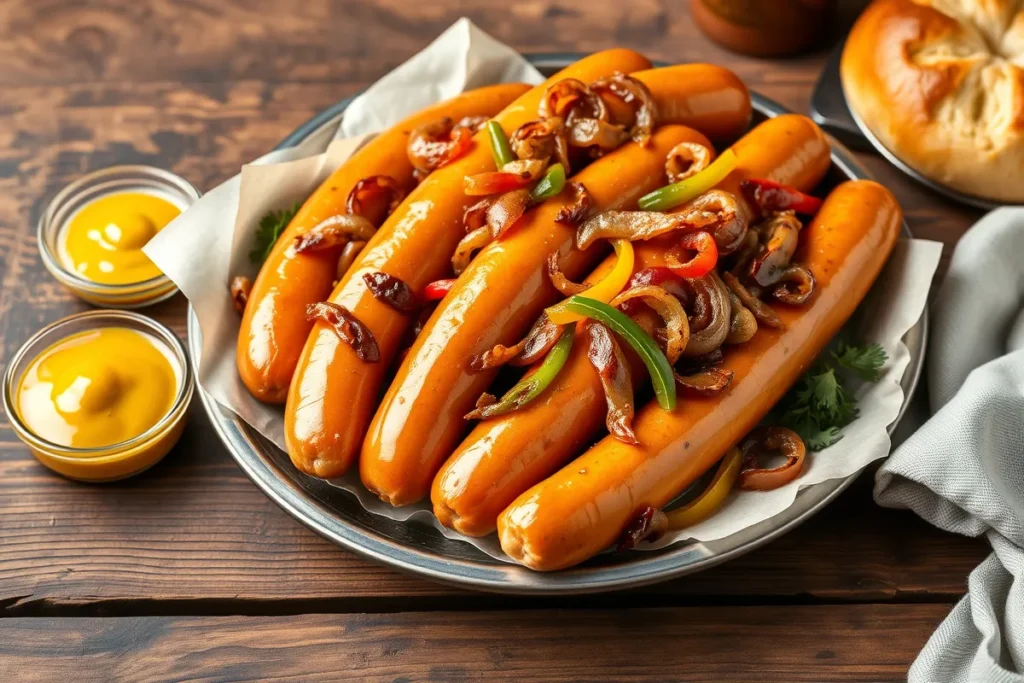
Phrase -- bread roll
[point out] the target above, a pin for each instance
(940, 83)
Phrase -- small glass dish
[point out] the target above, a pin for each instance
(120, 460)
(89, 188)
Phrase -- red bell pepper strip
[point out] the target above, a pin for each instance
(436, 290)
(705, 259)
(769, 195)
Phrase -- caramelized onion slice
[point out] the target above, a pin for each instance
(374, 198)
(240, 288)
(743, 326)
(504, 211)
(574, 212)
(686, 159)
(558, 278)
(348, 328)
(438, 143)
(795, 286)
(730, 224)
(334, 232)
(348, 256)
(719, 315)
(542, 336)
(650, 525)
(569, 99)
(676, 331)
(512, 176)
(762, 311)
(783, 231)
(632, 92)
(602, 135)
(467, 248)
(607, 357)
(542, 139)
(765, 440)
(709, 382)
(392, 291)
(637, 225)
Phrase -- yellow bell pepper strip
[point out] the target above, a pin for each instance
(499, 144)
(550, 184)
(603, 291)
(677, 194)
(704, 505)
(645, 346)
(532, 385)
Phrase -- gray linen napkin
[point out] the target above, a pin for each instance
(963, 471)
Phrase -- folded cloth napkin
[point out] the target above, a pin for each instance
(963, 471)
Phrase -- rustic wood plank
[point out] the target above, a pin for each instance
(870, 643)
(202, 86)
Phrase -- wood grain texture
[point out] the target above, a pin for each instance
(868, 643)
(202, 86)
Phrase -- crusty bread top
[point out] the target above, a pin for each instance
(941, 84)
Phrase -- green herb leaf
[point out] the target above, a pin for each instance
(270, 229)
(864, 361)
(820, 404)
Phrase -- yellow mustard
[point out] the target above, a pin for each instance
(103, 241)
(98, 388)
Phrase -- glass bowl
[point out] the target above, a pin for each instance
(88, 188)
(120, 460)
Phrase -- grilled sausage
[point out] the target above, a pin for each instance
(421, 420)
(333, 393)
(502, 457)
(274, 326)
(581, 509)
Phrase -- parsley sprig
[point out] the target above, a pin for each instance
(820, 404)
(270, 229)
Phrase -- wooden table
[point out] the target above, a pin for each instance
(189, 571)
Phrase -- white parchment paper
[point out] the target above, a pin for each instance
(210, 242)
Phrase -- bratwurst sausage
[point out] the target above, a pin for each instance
(581, 509)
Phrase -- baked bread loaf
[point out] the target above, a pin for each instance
(941, 84)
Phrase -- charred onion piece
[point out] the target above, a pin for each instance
(574, 212)
(702, 342)
(348, 328)
(348, 257)
(558, 278)
(676, 331)
(506, 210)
(650, 525)
(333, 232)
(596, 133)
(607, 357)
(762, 441)
(569, 99)
(240, 288)
(392, 291)
(542, 336)
(783, 230)
(746, 252)
(634, 93)
(638, 225)
(438, 143)
(743, 326)
(709, 382)
(762, 311)
(686, 159)
(795, 286)
(691, 366)
(374, 198)
(467, 248)
(542, 139)
(730, 224)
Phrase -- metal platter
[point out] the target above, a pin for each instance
(420, 549)
(830, 110)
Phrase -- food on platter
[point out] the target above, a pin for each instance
(604, 301)
(941, 85)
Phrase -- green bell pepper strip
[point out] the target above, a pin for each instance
(534, 384)
(550, 184)
(677, 194)
(499, 145)
(657, 364)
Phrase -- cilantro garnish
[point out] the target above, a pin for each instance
(270, 229)
(820, 404)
